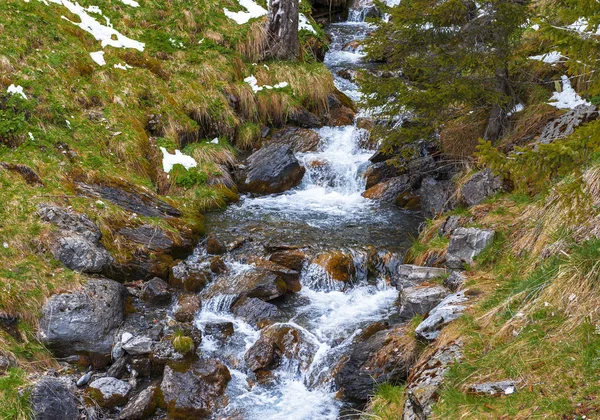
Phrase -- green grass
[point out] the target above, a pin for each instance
(14, 403)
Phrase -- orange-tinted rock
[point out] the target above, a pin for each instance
(338, 265)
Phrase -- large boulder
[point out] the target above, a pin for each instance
(156, 292)
(409, 275)
(141, 406)
(445, 312)
(85, 321)
(110, 392)
(426, 379)
(281, 341)
(299, 139)
(480, 185)
(384, 357)
(389, 190)
(273, 169)
(436, 196)
(566, 124)
(419, 300)
(466, 244)
(69, 220)
(196, 392)
(51, 399)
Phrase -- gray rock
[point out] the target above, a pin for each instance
(388, 191)
(152, 237)
(445, 312)
(305, 119)
(566, 124)
(507, 387)
(273, 169)
(71, 221)
(419, 300)
(83, 321)
(437, 196)
(299, 139)
(380, 172)
(156, 292)
(119, 368)
(138, 346)
(455, 281)
(162, 353)
(426, 379)
(6, 362)
(451, 223)
(51, 399)
(190, 277)
(409, 275)
(80, 254)
(141, 406)
(84, 379)
(466, 244)
(197, 392)
(220, 331)
(110, 392)
(254, 310)
(480, 186)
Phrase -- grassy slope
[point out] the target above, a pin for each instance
(194, 58)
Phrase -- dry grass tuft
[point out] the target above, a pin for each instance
(254, 45)
(461, 136)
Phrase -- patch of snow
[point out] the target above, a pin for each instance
(215, 140)
(5, 245)
(30, 134)
(131, 3)
(98, 57)
(251, 80)
(170, 160)
(549, 58)
(122, 66)
(253, 11)
(94, 9)
(16, 90)
(535, 27)
(104, 33)
(517, 108)
(509, 390)
(567, 98)
(281, 85)
(304, 24)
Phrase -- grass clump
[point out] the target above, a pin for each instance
(182, 343)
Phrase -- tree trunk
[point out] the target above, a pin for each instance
(499, 114)
(282, 29)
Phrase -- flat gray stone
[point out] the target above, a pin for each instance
(419, 300)
(110, 392)
(445, 312)
(466, 244)
(413, 275)
(507, 387)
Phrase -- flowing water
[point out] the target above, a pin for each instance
(325, 212)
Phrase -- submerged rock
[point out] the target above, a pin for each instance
(258, 283)
(197, 392)
(384, 357)
(190, 277)
(85, 321)
(273, 169)
(480, 186)
(110, 392)
(445, 312)
(466, 244)
(51, 399)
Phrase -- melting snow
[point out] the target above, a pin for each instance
(251, 80)
(215, 140)
(568, 98)
(30, 134)
(303, 23)
(517, 108)
(16, 90)
(549, 58)
(122, 66)
(170, 160)
(253, 11)
(98, 57)
(131, 3)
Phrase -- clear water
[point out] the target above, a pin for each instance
(327, 211)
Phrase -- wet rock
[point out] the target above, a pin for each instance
(163, 353)
(384, 357)
(445, 312)
(138, 345)
(340, 110)
(51, 399)
(304, 118)
(273, 169)
(409, 275)
(408, 201)
(293, 259)
(188, 277)
(28, 174)
(109, 392)
(380, 172)
(152, 237)
(566, 124)
(466, 244)
(258, 283)
(455, 281)
(79, 254)
(388, 190)
(71, 221)
(220, 330)
(214, 246)
(197, 392)
(254, 311)
(156, 292)
(187, 306)
(130, 198)
(119, 368)
(290, 277)
(299, 139)
(339, 266)
(426, 379)
(480, 186)
(83, 322)
(141, 406)
(281, 341)
(493, 389)
(436, 196)
(419, 300)
(217, 265)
